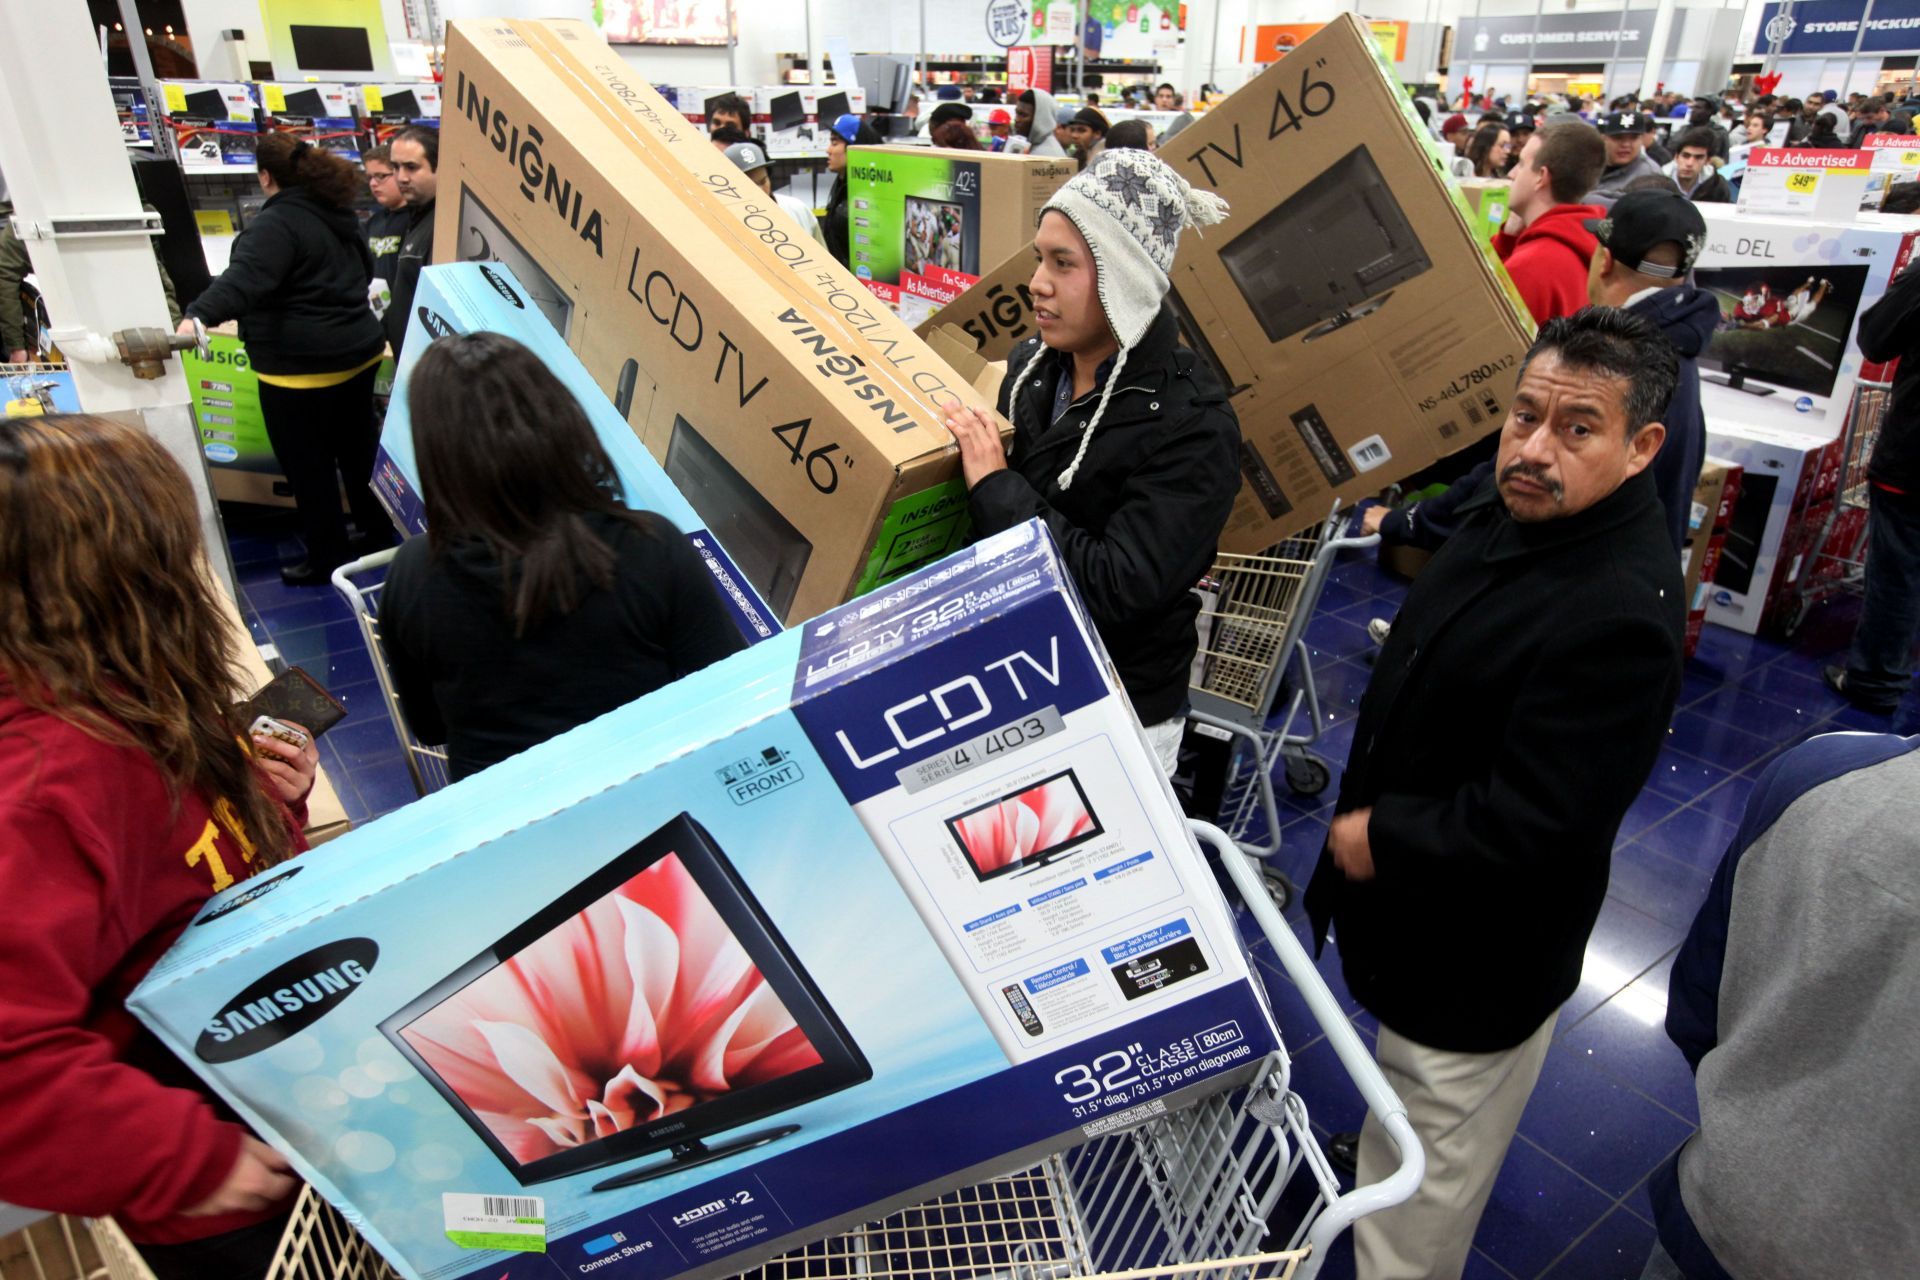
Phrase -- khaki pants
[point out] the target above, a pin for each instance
(1465, 1108)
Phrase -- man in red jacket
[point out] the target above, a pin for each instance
(1545, 245)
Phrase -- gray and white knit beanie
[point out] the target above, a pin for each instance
(1131, 208)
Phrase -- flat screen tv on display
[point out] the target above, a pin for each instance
(652, 1007)
(1328, 255)
(1781, 328)
(331, 48)
(1027, 828)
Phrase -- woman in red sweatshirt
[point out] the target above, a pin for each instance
(127, 798)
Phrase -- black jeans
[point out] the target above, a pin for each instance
(238, 1255)
(322, 437)
(1880, 663)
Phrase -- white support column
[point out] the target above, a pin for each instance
(1657, 41)
(78, 211)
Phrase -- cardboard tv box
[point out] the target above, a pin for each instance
(795, 121)
(1360, 321)
(767, 381)
(1488, 198)
(476, 297)
(891, 903)
(1714, 498)
(927, 213)
(1791, 291)
(1784, 475)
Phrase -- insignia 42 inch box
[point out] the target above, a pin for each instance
(889, 903)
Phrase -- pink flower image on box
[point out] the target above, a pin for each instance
(641, 1005)
(1020, 826)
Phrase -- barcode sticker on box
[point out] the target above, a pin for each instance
(1369, 453)
(516, 1223)
(1448, 430)
(1472, 410)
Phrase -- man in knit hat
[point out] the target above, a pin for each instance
(1122, 442)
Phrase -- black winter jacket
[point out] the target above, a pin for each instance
(1890, 330)
(1513, 715)
(1688, 317)
(1142, 520)
(464, 678)
(385, 230)
(833, 224)
(1713, 189)
(297, 283)
(416, 251)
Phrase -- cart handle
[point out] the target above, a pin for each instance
(1396, 1187)
(342, 577)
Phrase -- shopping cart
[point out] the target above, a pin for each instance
(1197, 1192)
(1837, 563)
(1253, 622)
(360, 582)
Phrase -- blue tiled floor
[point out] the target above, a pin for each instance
(1615, 1098)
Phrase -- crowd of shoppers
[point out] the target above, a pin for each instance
(1515, 711)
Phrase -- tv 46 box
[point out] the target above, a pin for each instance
(485, 297)
(1784, 475)
(762, 375)
(920, 214)
(890, 903)
(1350, 303)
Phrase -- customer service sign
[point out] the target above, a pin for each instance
(1556, 37)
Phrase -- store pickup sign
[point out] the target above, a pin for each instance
(1807, 182)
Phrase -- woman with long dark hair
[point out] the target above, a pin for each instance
(1487, 151)
(128, 797)
(297, 283)
(537, 601)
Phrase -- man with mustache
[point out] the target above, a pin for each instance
(1513, 715)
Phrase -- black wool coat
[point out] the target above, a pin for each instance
(1513, 715)
(1141, 522)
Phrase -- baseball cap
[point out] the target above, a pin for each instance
(1617, 124)
(1642, 220)
(1092, 118)
(1453, 124)
(847, 126)
(999, 117)
(747, 156)
(1520, 120)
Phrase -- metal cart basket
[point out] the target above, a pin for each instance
(1253, 624)
(1197, 1192)
(360, 583)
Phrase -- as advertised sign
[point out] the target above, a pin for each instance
(1831, 26)
(1896, 158)
(1805, 182)
(1555, 37)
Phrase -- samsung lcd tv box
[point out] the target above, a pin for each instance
(691, 297)
(891, 903)
(474, 297)
(1350, 304)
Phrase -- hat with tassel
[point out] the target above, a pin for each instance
(1131, 208)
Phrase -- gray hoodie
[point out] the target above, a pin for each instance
(1045, 116)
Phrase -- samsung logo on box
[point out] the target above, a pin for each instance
(501, 287)
(287, 1000)
(436, 324)
(259, 888)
